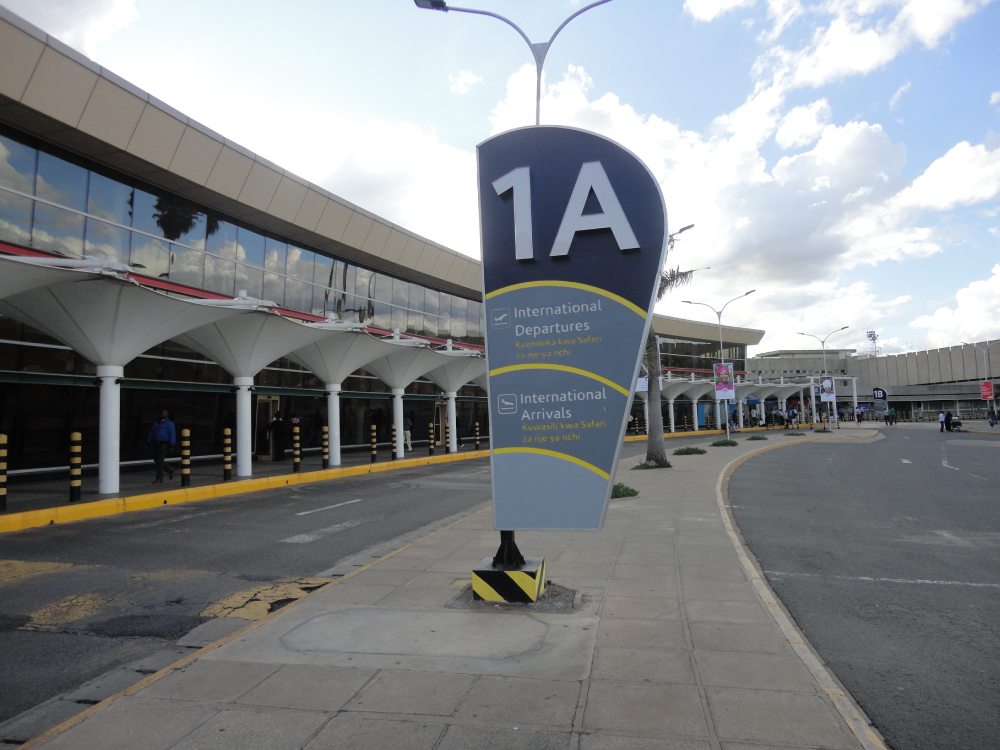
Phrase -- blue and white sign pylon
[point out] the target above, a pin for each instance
(574, 233)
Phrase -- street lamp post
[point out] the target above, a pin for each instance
(986, 367)
(831, 413)
(538, 50)
(722, 357)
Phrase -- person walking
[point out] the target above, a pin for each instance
(947, 421)
(407, 427)
(161, 438)
(941, 419)
(277, 432)
(992, 417)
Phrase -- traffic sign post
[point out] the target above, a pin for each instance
(573, 239)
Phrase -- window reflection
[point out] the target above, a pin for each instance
(106, 240)
(298, 295)
(300, 263)
(383, 316)
(364, 283)
(444, 306)
(458, 324)
(221, 238)
(274, 289)
(186, 224)
(57, 231)
(15, 218)
(275, 255)
(249, 247)
(323, 270)
(250, 280)
(432, 299)
(148, 212)
(383, 288)
(17, 165)
(61, 182)
(220, 275)
(151, 257)
(187, 266)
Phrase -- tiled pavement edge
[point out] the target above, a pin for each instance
(674, 647)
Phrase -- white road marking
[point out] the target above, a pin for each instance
(312, 536)
(151, 524)
(871, 579)
(905, 461)
(328, 507)
(944, 460)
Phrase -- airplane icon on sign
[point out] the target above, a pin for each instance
(500, 318)
(507, 403)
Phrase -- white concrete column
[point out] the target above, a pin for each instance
(452, 422)
(812, 397)
(694, 411)
(718, 414)
(673, 427)
(244, 438)
(397, 420)
(854, 395)
(333, 421)
(109, 446)
(802, 405)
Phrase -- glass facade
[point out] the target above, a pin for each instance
(686, 355)
(55, 202)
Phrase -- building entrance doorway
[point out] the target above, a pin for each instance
(267, 407)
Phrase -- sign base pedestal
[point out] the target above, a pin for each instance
(522, 585)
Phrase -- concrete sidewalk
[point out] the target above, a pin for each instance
(676, 644)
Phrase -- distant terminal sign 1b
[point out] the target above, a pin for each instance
(573, 239)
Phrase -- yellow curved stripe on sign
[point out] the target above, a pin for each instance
(572, 285)
(554, 454)
(561, 368)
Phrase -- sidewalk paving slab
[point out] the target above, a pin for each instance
(672, 647)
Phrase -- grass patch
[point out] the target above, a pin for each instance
(689, 451)
(795, 434)
(724, 443)
(756, 437)
(623, 490)
(824, 430)
(646, 465)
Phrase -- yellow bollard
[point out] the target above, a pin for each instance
(326, 447)
(75, 467)
(3, 473)
(374, 446)
(227, 454)
(185, 458)
(296, 453)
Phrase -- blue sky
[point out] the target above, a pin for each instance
(840, 156)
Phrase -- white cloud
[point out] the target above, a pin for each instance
(741, 222)
(707, 10)
(803, 125)
(995, 97)
(82, 24)
(965, 175)
(975, 317)
(894, 102)
(783, 12)
(463, 82)
(994, 231)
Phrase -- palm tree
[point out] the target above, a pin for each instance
(656, 452)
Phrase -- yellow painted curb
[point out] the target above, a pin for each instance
(180, 664)
(30, 519)
(851, 713)
(690, 433)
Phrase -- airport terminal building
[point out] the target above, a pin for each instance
(100, 179)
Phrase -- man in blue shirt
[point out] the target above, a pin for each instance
(162, 437)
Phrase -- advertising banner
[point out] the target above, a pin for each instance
(986, 390)
(827, 390)
(725, 384)
(573, 239)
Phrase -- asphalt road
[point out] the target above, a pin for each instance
(80, 599)
(887, 554)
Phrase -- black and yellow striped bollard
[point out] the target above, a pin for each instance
(296, 452)
(477, 435)
(75, 467)
(227, 454)
(3, 473)
(326, 447)
(185, 458)
(374, 446)
(447, 437)
(430, 442)
(393, 456)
